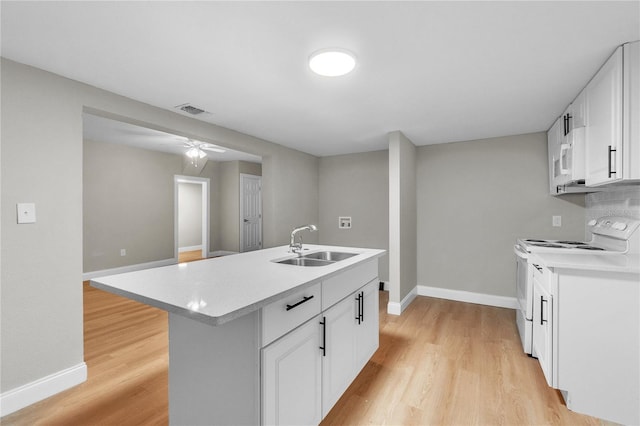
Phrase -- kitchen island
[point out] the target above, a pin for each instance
(253, 341)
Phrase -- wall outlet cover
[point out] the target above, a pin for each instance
(344, 222)
(26, 212)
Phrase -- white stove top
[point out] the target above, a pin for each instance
(611, 235)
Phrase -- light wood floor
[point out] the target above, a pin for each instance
(440, 363)
(189, 256)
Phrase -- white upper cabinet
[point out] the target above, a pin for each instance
(612, 114)
(604, 122)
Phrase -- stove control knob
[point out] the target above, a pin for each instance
(619, 226)
(592, 222)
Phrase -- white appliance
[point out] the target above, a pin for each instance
(611, 235)
(568, 160)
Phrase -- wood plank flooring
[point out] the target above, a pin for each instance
(189, 256)
(440, 363)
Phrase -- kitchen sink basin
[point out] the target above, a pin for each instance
(321, 258)
(331, 256)
(302, 261)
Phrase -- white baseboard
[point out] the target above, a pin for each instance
(129, 268)
(189, 248)
(23, 396)
(395, 308)
(469, 297)
(221, 253)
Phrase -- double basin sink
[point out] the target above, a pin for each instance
(321, 258)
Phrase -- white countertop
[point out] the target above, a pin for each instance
(626, 263)
(218, 290)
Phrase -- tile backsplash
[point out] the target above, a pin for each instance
(622, 201)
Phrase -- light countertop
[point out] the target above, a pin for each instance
(218, 290)
(626, 263)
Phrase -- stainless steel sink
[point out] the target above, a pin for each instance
(302, 261)
(321, 258)
(331, 256)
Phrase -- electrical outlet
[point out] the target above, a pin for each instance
(344, 222)
(123, 252)
(556, 221)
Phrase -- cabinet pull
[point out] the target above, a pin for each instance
(362, 306)
(359, 314)
(611, 150)
(542, 302)
(323, 323)
(565, 125)
(304, 299)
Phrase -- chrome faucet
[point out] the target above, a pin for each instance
(296, 247)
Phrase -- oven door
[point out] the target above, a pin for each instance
(524, 289)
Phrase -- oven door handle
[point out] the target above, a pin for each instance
(519, 252)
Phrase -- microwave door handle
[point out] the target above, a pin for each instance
(563, 150)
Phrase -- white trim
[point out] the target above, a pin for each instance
(189, 248)
(221, 253)
(469, 297)
(395, 308)
(129, 268)
(25, 395)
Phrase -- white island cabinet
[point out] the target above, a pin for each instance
(252, 341)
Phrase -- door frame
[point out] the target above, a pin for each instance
(241, 209)
(205, 183)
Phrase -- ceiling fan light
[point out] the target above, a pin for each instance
(332, 62)
(194, 152)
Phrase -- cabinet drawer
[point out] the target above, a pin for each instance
(286, 314)
(337, 288)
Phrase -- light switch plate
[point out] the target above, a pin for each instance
(344, 222)
(26, 212)
(556, 221)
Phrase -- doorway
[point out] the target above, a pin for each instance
(250, 212)
(191, 215)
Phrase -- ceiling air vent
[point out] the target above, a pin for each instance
(190, 109)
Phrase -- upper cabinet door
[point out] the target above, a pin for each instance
(631, 110)
(604, 123)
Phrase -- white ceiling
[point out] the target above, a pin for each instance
(437, 71)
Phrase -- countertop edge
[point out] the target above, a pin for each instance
(371, 254)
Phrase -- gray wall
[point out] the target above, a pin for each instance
(42, 144)
(127, 203)
(356, 185)
(189, 214)
(402, 217)
(230, 199)
(475, 199)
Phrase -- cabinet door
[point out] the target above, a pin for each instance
(291, 377)
(604, 123)
(338, 364)
(577, 110)
(542, 329)
(367, 330)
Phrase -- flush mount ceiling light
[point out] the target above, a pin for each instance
(332, 62)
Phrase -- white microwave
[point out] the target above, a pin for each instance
(569, 159)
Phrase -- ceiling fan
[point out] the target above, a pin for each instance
(196, 150)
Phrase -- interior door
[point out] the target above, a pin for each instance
(250, 212)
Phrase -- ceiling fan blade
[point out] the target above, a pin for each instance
(212, 148)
